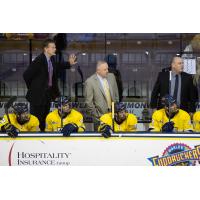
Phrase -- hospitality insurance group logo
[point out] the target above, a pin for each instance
(177, 154)
(38, 158)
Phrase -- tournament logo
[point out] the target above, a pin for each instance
(177, 154)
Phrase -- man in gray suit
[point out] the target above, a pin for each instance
(100, 90)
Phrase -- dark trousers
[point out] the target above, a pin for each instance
(40, 111)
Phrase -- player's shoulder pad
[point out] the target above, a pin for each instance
(196, 115)
(34, 119)
(158, 113)
(74, 111)
(183, 113)
(106, 116)
(131, 116)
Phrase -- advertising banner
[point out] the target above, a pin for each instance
(130, 150)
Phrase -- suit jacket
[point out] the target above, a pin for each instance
(95, 98)
(36, 78)
(118, 80)
(188, 91)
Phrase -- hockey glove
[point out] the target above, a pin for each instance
(68, 129)
(11, 130)
(106, 130)
(168, 127)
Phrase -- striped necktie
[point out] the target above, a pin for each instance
(107, 92)
(50, 70)
(176, 88)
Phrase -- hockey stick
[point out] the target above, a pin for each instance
(170, 79)
(113, 116)
(61, 111)
(8, 105)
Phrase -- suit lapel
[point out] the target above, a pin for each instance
(110, 88)
(182, 86)
(45, 65)
(168, 83)
(53, 65)
(99, 85)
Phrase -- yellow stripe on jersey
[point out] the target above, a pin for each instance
(32, 125)
(182, 121)
(196, 121)
(53, 120)
(130, 124)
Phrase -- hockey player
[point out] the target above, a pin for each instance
(64, 118)
(123, 121)
(20, 121)
(196, 121)
(170, 118)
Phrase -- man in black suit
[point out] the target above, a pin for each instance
(112, 68)
(42, 82)
(180, 87)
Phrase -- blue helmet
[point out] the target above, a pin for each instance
(168, 100)
(20, 108)
(63, 101)
(119, 107)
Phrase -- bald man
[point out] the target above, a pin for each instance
(100, 90)
(181, 87)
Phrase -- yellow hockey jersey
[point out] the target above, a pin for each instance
(182, 121)
(196, 121)
(130, 124)
(32, 125)
(53, 120)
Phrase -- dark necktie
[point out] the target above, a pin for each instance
(50, 70)
(176, 88)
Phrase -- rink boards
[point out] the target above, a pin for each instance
(89, 149)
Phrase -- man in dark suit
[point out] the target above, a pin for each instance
(180, 87)
(112, 68)
(41, 80)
